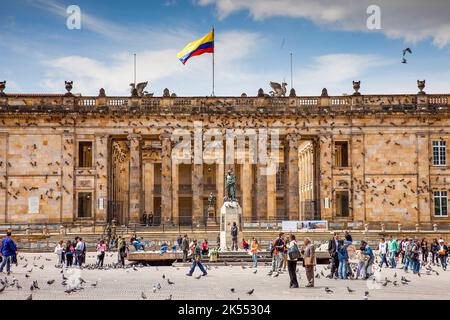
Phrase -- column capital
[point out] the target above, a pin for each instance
(134, 136)
(295, 137)
(165, 136)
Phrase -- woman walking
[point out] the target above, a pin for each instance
(425, 251)
(70, 251)
(443, 254)
(101, 249)
(254, 247)
(292, 257)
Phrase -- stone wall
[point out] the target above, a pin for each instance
(390, 175)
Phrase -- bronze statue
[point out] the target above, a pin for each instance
(230, 186)
(212, 200)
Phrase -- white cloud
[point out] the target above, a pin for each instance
(158, 67)
(410, 20)
(336, 72)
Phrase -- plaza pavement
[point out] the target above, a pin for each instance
(128, 284)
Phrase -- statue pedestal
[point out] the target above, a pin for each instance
(229, 213)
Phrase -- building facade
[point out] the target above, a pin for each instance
(346, 159)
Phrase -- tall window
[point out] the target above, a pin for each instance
(440, 203)
(341, 154)
(84, 205)
(85, 154)
(342, 204)
(439, 153)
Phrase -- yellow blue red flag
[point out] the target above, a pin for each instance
(197, 48)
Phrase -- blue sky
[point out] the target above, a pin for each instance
(329, 40)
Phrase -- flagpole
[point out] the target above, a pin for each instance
(213, 63)
(292, 74)
(135, 69)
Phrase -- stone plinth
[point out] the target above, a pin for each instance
(229, 213)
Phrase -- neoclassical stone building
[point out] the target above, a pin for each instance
(346, 159)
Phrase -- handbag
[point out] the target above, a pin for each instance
(309, 261)
(293, 252)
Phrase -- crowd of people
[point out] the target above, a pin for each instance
(285, 252)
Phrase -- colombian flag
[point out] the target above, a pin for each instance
(197, 48)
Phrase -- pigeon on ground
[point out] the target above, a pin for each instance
(251, 292)
(232, 290)
(50, 282)
(327, 290)
(350, 290)
(143, 296)
(170, 282)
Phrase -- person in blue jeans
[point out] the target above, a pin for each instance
(408, 259)
(8, 250)
(343, 259)
(415, 257)
(382, 250)
(196, 259)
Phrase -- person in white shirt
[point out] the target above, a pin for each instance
(382, 250)
(80, 250)
(59, 250)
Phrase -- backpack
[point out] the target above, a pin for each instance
(293, 252)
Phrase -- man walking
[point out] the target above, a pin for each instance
(196, 259)
(332, 250)
(122, 250)
(185, 247)
(408, 259)
(393, 251)
(234, 237)
(382, 250)
(80, 251)
(277, 253)
(309, 261)
(8, 250)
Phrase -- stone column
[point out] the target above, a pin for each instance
(325, 177)
(67, 178)
(166, 178)
(261, 192)
(246, 187)
(149, 182)
(271, 194)
(197, 193)
(220, 185)
(358, 198)
(423, 179)
(175, 212)
(135, 189)
(3, 174)
(101, 166)
(291, 159)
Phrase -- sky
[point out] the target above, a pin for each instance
(330, 42)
